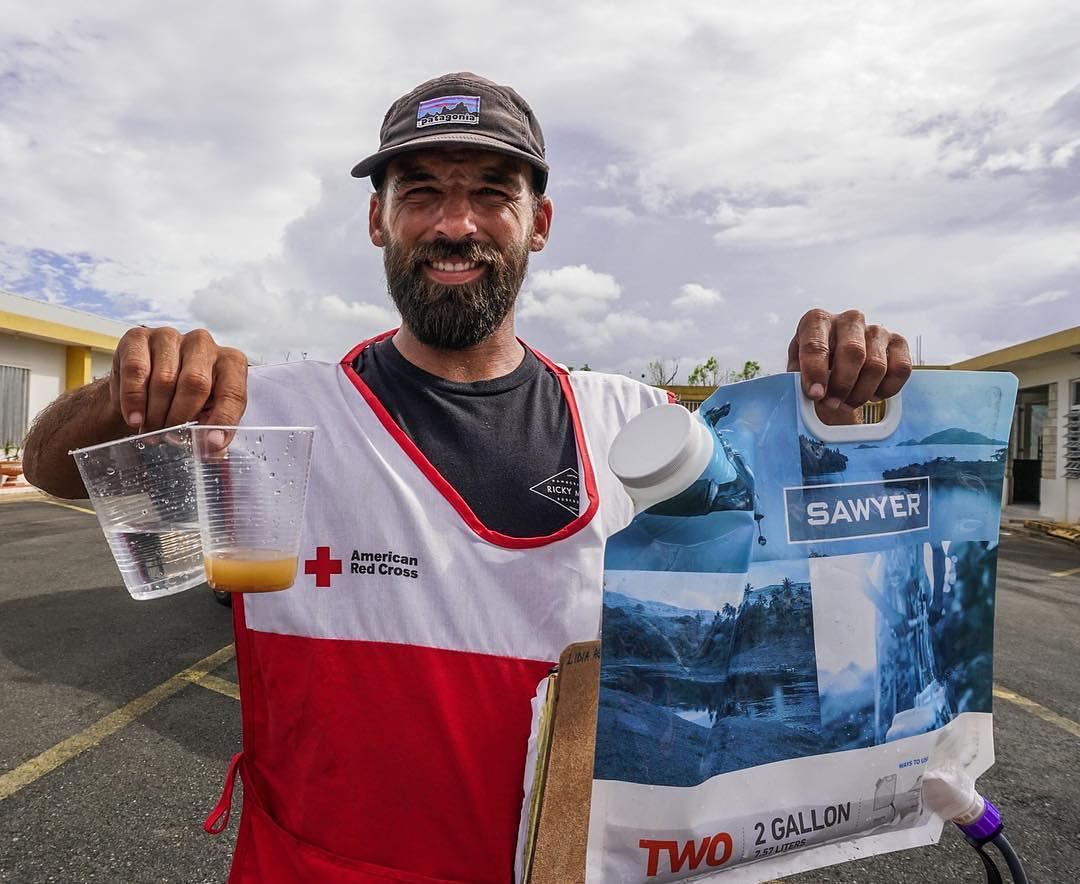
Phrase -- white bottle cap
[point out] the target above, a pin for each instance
(660, 453)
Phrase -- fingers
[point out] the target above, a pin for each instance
(811, 348)
(131, 373)
(848, 357)
(899, 368)
(844, 363)
(874, 367)
(230, 392)
(164, 367)
(195, 378)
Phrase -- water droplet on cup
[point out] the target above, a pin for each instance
(271, 475)
(140, 445)
(110, 471)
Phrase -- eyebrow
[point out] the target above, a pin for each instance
(502, 174)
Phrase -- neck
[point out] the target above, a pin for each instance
(495, 356)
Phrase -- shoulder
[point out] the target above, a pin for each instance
(289, 381)
(618, 393)
(290, 372)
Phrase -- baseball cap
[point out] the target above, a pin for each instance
(462, 110)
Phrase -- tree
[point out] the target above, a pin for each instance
(706, 374)
(659, 374)
(750, 369)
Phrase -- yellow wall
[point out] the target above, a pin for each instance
(79, 367)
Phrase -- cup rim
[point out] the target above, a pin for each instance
(235, 427)
(183, 426)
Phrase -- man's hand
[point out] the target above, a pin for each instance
(844, 362)
(161, 377)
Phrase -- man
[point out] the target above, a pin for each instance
(457, 511)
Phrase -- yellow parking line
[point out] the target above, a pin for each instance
(35, 768)
(221, 685)
(1068, 573)
(1066, 724)
(68, 506)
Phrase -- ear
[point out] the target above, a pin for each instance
(541, 225)
(375, 221)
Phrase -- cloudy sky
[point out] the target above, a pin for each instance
(716, 170)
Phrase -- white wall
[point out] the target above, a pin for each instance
(47, 363)
(100, 363)
(1059, 497)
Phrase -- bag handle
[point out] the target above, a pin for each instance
(850, 432)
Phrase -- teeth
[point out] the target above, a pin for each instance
(453, 267)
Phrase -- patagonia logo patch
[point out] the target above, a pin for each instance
(448, 109)
(850, 510)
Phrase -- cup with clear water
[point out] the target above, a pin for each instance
(251, 486)
(142, 489)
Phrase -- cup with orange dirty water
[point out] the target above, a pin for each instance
(251, 484)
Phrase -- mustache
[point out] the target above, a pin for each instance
(463, 251)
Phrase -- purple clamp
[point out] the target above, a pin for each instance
(986, 826)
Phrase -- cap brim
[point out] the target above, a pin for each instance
(446, 139)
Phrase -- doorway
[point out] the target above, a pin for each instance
(1032, 404)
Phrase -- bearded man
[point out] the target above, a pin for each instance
(386, 709)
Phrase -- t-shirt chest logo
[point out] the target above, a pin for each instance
(562, 488)
(378, 563)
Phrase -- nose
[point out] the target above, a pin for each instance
(456, 221)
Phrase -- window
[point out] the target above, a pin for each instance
(14, 404)
(1072, 432)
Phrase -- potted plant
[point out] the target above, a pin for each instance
(11, 466)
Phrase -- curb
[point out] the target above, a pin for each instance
(1038, 528)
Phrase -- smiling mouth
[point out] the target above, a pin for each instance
(454, 271)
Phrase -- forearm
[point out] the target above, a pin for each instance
(81, 417)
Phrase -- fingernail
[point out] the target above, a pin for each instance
(135, 419)
(816, 391)
(216, 438)
(832, 402)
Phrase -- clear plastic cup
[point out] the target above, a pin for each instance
(143, 491)
(251, 484)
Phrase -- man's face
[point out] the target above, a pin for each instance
(456, 227)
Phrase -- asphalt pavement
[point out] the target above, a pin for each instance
(113, 748)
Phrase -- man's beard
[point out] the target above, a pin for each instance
(454, 317)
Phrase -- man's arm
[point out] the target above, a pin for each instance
(78, 418)
(159, 378)
(845, 363)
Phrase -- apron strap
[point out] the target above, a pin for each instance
(221, 811)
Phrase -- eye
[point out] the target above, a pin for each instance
(421, 192)
(492, 192)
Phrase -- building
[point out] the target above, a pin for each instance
(46, 349)
(1044, 448)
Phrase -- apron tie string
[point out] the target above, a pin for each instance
(221, 811)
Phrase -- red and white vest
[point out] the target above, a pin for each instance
(386, 695)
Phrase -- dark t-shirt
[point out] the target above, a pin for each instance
(506, 445)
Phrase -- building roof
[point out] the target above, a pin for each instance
(1067, 339)
(32, 318)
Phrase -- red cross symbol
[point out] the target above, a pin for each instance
(322, 566)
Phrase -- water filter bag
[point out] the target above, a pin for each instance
(791, 641)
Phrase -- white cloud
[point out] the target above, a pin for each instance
(581, 304)
(620, 214)
(917, 163)
(693, 296)
(1046, 297)
(248, 311)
